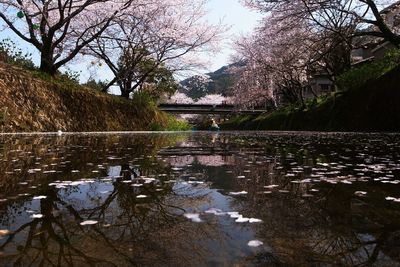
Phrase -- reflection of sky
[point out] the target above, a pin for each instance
(231, 11)
(114, 171)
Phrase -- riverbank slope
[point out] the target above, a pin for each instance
(374, 107)
(33, 102)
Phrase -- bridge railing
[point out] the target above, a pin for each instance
(166, 105)
(206, 109)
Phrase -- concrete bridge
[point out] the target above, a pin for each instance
(206, 109)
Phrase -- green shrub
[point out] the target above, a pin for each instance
(69, 75)
(10, 53)
(154, 126)
(143, 99)
(358, 76)
(64, 81)
(96, 85)
(173, 124)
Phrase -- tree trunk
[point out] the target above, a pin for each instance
(125, 93)
(47, 63)
(126, 88)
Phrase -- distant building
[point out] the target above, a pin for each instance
(370, 51)
(319, 84)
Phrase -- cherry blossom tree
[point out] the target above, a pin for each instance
(277, 58)
(370, 17)
(214, 99)
(167, 32)
(300, 38)
(180, 98)
(59, 30)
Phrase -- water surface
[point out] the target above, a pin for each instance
(200, 199)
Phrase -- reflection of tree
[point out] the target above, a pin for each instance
(130, 231)
(333, 226)
(42, 235)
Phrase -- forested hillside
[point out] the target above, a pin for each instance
(218, 82)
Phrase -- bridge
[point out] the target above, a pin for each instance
(206, 109)
(194, 151)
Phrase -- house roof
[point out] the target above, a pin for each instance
(360, 62)
(390, 8)
(385, 45)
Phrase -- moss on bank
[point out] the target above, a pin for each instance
(33, 101)
(374, 107)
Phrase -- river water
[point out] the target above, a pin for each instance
(200, 199)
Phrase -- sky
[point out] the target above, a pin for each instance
(240, 19)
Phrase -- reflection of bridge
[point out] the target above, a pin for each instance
(194, 151)
(206, 109)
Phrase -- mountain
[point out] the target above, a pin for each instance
(217, 82)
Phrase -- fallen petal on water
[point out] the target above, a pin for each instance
(271, 186)
(39, 197)
(88, 222)
(242, 219)
(238, 193)
(194, 217)
(255, 243)
(234, 214)
(215, 211)
(360, 193)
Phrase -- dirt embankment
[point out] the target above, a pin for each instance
(32, 104)
(375, 107)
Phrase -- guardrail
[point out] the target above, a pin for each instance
(206, 109)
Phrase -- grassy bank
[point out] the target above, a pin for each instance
(374, 106)
(172, 124)
(32, 101)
